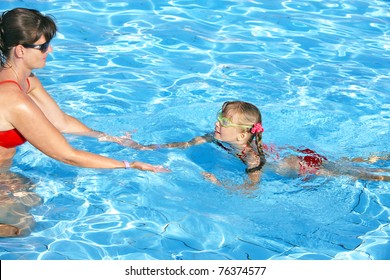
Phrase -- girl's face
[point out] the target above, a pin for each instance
(227, 129)
(226, 134)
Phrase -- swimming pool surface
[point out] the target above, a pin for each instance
(319, 72)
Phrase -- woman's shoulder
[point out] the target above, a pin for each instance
(35, 86)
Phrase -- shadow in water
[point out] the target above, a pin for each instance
(16, 199)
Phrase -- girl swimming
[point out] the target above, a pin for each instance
(239, 131)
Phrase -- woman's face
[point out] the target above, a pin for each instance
(37, 53)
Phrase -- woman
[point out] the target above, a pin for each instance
(28, 112)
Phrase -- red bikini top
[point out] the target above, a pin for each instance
(12, 138)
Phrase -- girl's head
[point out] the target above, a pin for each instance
(24, 27)
(239, 122)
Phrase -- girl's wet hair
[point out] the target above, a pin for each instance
(248, 114)
(23, 26)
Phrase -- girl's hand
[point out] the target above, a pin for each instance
(374, 159)
(371, 159)
(148, 167)
(211, 177)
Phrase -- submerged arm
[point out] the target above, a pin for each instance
(371, 159)
(254, 166)
(250, 184)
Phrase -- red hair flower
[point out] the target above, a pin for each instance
(256, 128)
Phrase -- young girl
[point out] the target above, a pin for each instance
(239, 131)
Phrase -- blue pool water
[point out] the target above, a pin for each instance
(319, 72)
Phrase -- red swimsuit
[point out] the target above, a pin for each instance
(11, 138)
(311, 162)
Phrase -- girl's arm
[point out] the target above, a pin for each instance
(252, 162)
(129, 142)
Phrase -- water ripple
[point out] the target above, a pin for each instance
(318, 70)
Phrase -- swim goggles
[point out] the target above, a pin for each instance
(225, 122)
(42, 47)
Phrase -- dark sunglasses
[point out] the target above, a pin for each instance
(42, 47)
